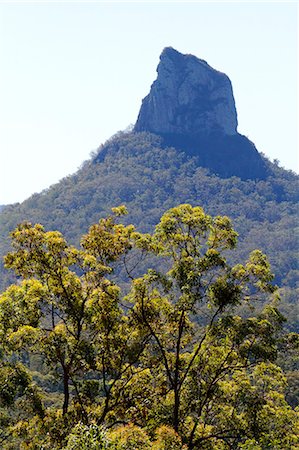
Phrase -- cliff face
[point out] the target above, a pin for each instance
(191, 105)
(189, 97)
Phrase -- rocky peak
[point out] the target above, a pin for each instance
(189, 97)
(191, 106)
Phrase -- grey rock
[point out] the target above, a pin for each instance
(192, 107)
(188, 97)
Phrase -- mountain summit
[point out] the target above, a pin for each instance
(191, 105)
(188, 97)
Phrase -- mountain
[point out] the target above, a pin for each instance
(194, 155)
(192, 106)
(188, 98)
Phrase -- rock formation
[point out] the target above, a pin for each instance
(191, 105)
(188, 97)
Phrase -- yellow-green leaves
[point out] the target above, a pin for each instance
(222, 234)
(183, 228)
(107, 241)
(20, 308)
(129, 437)
(258, 268)
(37, 253)
(167, 439)
(224, 292)
(65, 308)
(188, 229)
(170, 359)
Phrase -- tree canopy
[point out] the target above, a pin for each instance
(182, 356)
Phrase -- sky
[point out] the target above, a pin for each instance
(72, 74)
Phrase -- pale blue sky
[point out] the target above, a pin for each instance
(73, 73)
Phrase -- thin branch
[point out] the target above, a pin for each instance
(154, 334)
(198, 348)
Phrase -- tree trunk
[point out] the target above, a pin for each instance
(176, 410)
(65, 391)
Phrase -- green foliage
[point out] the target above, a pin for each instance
(167, 439)
(19, 398)
(85, 437)
(129, 437)
(171, 364)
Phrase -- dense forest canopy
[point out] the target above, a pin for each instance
(186, 358)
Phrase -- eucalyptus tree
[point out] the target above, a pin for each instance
(203, 358)
(66, 308)
(172, 363)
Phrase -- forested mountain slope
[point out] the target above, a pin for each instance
(137, 170)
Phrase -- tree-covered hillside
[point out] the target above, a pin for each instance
(137, 170)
